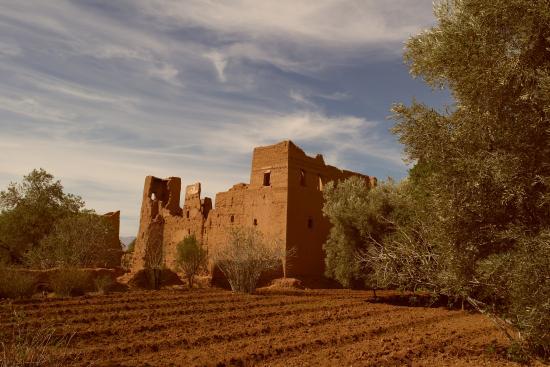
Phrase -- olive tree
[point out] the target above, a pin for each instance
(79, 240)
(485, 160)
(29, 210)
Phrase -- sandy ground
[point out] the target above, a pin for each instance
(215, 327)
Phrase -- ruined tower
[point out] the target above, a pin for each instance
(283, 200)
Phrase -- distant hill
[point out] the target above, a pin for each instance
(126, 240)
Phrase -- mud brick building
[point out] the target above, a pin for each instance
(284, 200)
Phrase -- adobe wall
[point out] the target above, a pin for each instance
(283, 201)
(307, 228)
(163, 223)
(259, 204)
(113, 241)
(189, 222)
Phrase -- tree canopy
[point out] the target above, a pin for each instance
(479, 191)
(28, 211)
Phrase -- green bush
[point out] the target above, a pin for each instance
(191, 258)
(15, 284)
(70, 282)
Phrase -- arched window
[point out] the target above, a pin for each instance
(255, 222)
(232, 218)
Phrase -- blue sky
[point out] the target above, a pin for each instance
(102, 93)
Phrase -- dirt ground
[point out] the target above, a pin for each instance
(215, 327)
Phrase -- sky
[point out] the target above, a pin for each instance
(102, 93)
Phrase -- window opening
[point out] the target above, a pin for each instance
(153, 196)
(302, 177)
(267, 178)
(255, 222)
(187, 214)
(232, 218)
(310, 222)
(320, 185)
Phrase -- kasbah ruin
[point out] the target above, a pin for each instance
(283, 200)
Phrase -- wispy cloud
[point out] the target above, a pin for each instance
(219, 62)
(103, 93)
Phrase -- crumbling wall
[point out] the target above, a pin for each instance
(307, 228)
(160, 199)
(191, 222)
(283, 200)
(261, 204)
(113, 241)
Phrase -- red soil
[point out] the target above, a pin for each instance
(277, 328)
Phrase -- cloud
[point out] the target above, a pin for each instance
(104, 93)
(299, 98)
(219, 62)
(33, 108)
(167, 73)
(332, 22)
(9, 50)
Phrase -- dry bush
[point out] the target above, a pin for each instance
(245, 256)
(70, 282)
(21, 345)
(103, 283)
(14, 284)
(154, 265)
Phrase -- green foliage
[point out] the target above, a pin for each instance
(483, 166)
(16, 284)
(78, 240)
(357, 218)
(191, 258)
(372, 224)
(28, 211)
(67, 282)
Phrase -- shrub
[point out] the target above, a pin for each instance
(245, 256)
(191, 258)
(16, 284)
(22, 345)
(70, 282)
(103, 283)
(79, 240)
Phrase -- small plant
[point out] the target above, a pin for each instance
(154, 264)
(516, 353)
(70, 282)
(16, 284)
(103, 283)
(21, 345)
(191, 258)
(245, 256)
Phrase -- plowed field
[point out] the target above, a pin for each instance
(294, 328)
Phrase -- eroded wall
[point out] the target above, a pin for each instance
(307, 228)
(113, 240)
(283, 201)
